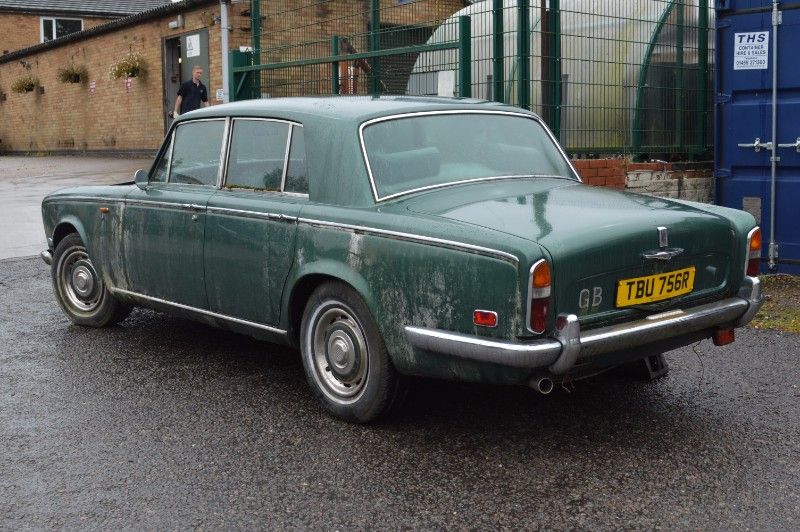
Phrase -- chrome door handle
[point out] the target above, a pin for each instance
(757, 145)
(795, 145)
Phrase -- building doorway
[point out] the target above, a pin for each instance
(181, 54)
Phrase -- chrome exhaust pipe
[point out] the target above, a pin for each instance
(543, 385)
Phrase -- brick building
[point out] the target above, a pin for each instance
(25, 23)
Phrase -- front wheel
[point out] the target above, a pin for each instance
(344, 357)
(80, 290)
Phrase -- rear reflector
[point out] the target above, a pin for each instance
(484, 318)
(539, 309)
(723, 336)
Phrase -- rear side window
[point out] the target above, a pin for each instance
(257, 154)
(196, 152)
(296, 173)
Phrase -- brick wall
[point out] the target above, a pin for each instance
(692, 181)
(20, 30)
(114, 117)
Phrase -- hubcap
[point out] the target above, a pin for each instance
(78, 281)
(339, 351)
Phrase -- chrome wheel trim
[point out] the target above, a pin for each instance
(337, 351)
(78, 282)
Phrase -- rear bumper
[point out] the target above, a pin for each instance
(559, 354)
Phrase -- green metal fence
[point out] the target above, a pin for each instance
(608, 76)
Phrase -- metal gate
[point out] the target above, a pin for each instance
(757, 156)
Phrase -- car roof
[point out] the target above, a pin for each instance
(353, 108)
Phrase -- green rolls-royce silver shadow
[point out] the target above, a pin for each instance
(395, 236)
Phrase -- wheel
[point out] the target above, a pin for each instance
(80, 290)
(344, 357)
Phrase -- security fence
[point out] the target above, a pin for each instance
(608, 76)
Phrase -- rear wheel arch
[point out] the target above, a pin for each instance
(310, 280)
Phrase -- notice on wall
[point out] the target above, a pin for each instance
(193, 45)
(220, 95)
(751, 50)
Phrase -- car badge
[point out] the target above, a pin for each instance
(663, 237)
(664, 252)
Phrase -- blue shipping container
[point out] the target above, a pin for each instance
(751, 172)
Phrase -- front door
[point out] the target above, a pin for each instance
(746, 44)
(164, 225)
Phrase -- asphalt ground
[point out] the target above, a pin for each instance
(162, 423)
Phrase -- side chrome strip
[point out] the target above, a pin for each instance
(196, 310)
(83, 199)
(408, 237)
(251, 214)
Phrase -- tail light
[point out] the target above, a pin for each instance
(539, 296)
(753, 263)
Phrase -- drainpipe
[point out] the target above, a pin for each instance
(224, 29)
(773, 246)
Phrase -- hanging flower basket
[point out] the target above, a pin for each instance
(73, 74)
(26, 83)
(132, 65)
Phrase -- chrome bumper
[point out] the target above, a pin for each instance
(47, 257)
(559, 354)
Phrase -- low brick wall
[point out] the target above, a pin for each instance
(687, 180)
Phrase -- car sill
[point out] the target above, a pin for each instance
(136, 295)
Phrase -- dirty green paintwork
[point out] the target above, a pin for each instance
(256, 267)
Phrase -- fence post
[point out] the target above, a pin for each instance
(255, 23)
(238, 80)
(464, 57)
(375, 44)
(335, 65)
(498, 52)
(679, 75)
(523, 54)
(702, 64)
(555, 68)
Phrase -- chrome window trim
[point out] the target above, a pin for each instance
(204, 312)
(379, 199)
(409, 237)
(286, 157)
(233, 120)
(530, 296)
(223, 153)
(172, 148)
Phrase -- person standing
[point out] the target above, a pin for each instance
(192, 94)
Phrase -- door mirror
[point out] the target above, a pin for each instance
(140, 177)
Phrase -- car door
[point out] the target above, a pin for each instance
(164, 224)
(251, 221)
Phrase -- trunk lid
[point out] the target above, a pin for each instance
(596, 238)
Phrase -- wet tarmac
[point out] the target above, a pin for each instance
(161, 423)
(24, 181)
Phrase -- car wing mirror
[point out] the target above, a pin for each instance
(140, 177)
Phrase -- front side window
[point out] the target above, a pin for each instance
(257, 154)
(53, 28)
(159, 172)
(424, 151)
(196, 151)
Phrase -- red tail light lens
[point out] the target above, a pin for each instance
(753, 264)
(539, 296)
(484, 318)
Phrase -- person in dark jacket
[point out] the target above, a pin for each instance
(192, 94)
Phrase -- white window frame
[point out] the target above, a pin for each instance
(41, 25)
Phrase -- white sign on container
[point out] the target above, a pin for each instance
(751, 50)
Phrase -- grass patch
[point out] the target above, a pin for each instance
(781, 308)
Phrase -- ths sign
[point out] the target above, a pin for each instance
(751, 50)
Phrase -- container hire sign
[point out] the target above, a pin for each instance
(751, 50)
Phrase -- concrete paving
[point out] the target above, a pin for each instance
(161, 423)
(24, 181)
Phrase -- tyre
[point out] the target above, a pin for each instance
(80, 290)
(344, 357)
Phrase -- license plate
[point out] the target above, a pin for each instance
(656, 287)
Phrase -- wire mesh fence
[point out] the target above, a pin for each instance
(608, 76)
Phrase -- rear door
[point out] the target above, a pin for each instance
(251, 222)
(164, 225)
(746, 44)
